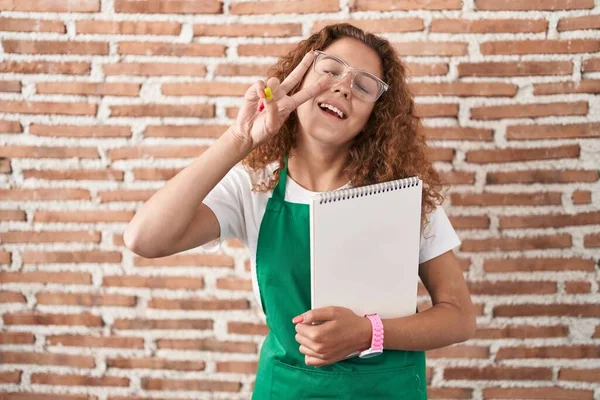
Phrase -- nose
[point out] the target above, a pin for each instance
(344, 84)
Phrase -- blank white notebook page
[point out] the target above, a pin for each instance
(365, 249)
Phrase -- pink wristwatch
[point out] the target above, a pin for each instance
(376, 338)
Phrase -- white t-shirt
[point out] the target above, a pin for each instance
(240, 210)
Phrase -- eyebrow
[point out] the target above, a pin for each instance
(358, 69)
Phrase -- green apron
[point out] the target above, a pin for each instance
(283, 273)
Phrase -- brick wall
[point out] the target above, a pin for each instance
(102, 101)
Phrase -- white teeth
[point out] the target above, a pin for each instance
(334, 109)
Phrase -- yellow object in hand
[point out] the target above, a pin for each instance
(268, 94)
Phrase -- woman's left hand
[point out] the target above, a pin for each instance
(339, 333)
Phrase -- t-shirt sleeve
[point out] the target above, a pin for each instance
(438, 237)
(226, 201)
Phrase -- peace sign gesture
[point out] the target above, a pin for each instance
(256, 127)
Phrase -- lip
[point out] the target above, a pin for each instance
(336, 105)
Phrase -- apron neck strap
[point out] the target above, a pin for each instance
(279, 191)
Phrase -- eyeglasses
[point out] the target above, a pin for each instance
(365, 85)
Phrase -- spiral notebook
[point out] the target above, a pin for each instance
(364, 248)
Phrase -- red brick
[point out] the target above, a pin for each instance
(54, 47)
(5, 167)
(96, 341)
(86, 299)
(163, 110)
(540, 47)
(449, 393)
(464, 89)
(45, 67)
(169, 6)
(591, 65)
(234, 284)
(592, 240)
(198, 304)
(69, 6)
(278, 7)
(530, 5)
(498, 373)
(422, 69)
(191, 131)
(128, 27)
(248, 30)
(10, 86)
(433, 110)
(89, 88)
(390, 25)
(505, 199)
(12, 215)
(272, 50)
(31, 25)
(529, 132)
(10, 127)
(581, 197)
(549, 221)
(440, 154)
(584, 86)
(47, 107)
(573, 352)
(155, 363)
(457, 177)
(247, 328)
(43, 396)
(208, 344)
(174, 324)
(47, 358)
(583, 375)
(460, 351)
(530, 110)
(578, 23)
(10, 297)
(156, 152)
(16, 337)
(500, 288)
(449, 25)
(60, 257)
(79, 380)
(237, 367)
(395, 5)
(172, 49)
(154, 282)
(573, 287)
(5, 257)
(88, 175)
(204, 89)
(562, 241)
(542, 176)
(80, 130)
(83, 216)
(431, 48)
(44, 194)
(548, 310)
(241, 70)
(522, 332)
(36, 318)
(470, 222)
(45, 277)
(537, 393)
(537, 264)
(190, 384)
(522, 68)
(155, 69)
(516, 155)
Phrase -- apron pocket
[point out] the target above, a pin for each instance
(291, 382)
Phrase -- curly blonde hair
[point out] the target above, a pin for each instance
(391, 146)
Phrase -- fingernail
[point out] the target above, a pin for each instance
(268, 94)
(261, 107)
(298, 319)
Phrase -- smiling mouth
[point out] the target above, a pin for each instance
(331, 113)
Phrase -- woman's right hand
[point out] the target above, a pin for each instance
(255, 127)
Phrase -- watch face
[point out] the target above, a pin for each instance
(370, 353)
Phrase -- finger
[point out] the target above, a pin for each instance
(315, 362)
(252, 97)
(322, 84)
(306, 342)
(319, 315)
(308, 352)
(298, 73)
(272, 117)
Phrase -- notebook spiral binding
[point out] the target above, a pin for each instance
(350, 193)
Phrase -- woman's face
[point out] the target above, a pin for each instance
(322, 127)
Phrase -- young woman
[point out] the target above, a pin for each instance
(340, 115)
